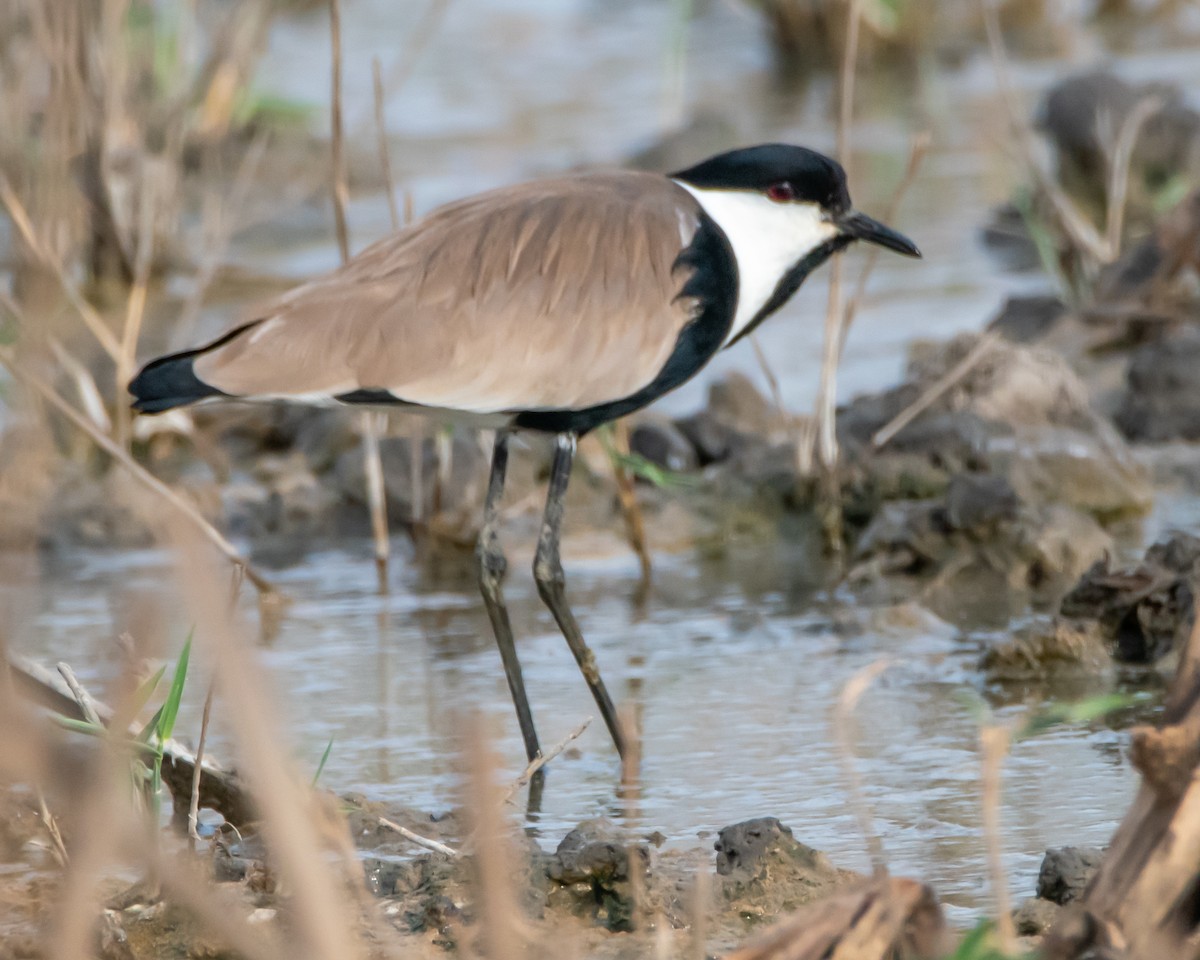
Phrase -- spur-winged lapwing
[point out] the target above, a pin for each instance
(552, 306)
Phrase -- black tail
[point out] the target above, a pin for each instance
(172, 382)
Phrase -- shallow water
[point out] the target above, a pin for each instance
(733, 664)
(733, 668)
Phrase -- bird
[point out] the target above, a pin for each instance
(553, 306)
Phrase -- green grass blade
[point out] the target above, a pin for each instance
(324, 760)
(142, 695)
(170, 710)
(80, 726)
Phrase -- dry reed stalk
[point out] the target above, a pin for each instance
(385, 160)
(418, 39)
(1119, 161)
(544, 758)
(701, 903)
(372, 465)
(500, 928)
(87, 313)
(86, 706)
(320, 909)
(339, 189)
(826, 413)
(936, 390)
(140, 473)
(193, 820)
(843, 728)
(631, 510)
(994, 743)
(772, 381)
(1075, 225)
(918, 148)
(135, 312)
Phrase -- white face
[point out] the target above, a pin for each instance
(768, 239)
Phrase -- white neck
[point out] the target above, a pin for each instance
(768, 239)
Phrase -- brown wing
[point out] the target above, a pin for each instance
(554, 294)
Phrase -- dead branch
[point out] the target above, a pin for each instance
(1141, 904)
(882, 919)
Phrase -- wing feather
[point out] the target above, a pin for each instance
(553, 295)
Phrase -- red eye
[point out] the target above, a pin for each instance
(781, 192)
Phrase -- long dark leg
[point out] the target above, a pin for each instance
(548, 572)
(492, 566)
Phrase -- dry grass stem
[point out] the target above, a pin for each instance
(544, 758)
(197, 769)
(772, 381)
(501, 931)
(58, 849)
(434, 845)
(91, 319)
(140, 473)
(372, 423)
(826, 412)
(385, 160)
(340, 190)
(290, 819)
(701, 904)
(135, 311)
(935, 391)
(631, 509)
(418, 40)
(843, 728)
(1119, 162)
(994, 743)
(917, 151)
(1074, 224)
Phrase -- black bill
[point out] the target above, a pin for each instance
(861, 227)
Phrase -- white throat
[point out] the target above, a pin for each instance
(768, 239)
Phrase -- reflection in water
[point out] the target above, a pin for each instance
(730, 685)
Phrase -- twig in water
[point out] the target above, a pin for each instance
(935, 391)
(139, 472)
(843, 720)
(419, 840)
(376, 493)
(542, 759)
(994, 743)
(86, 706)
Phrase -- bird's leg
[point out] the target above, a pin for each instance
(548, 572)
(492, 566)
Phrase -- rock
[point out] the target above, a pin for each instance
(736, 402)
(1028, 319)
(592, 867)
(978, 503)
(714, 441)
(662, 443)
(1145, 612)
(762, 869)
(1162, 397)
(1048, 647)
(111, 941)
(461, 495)
(1066, 872)
(1083, 114)
(1034, 917)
